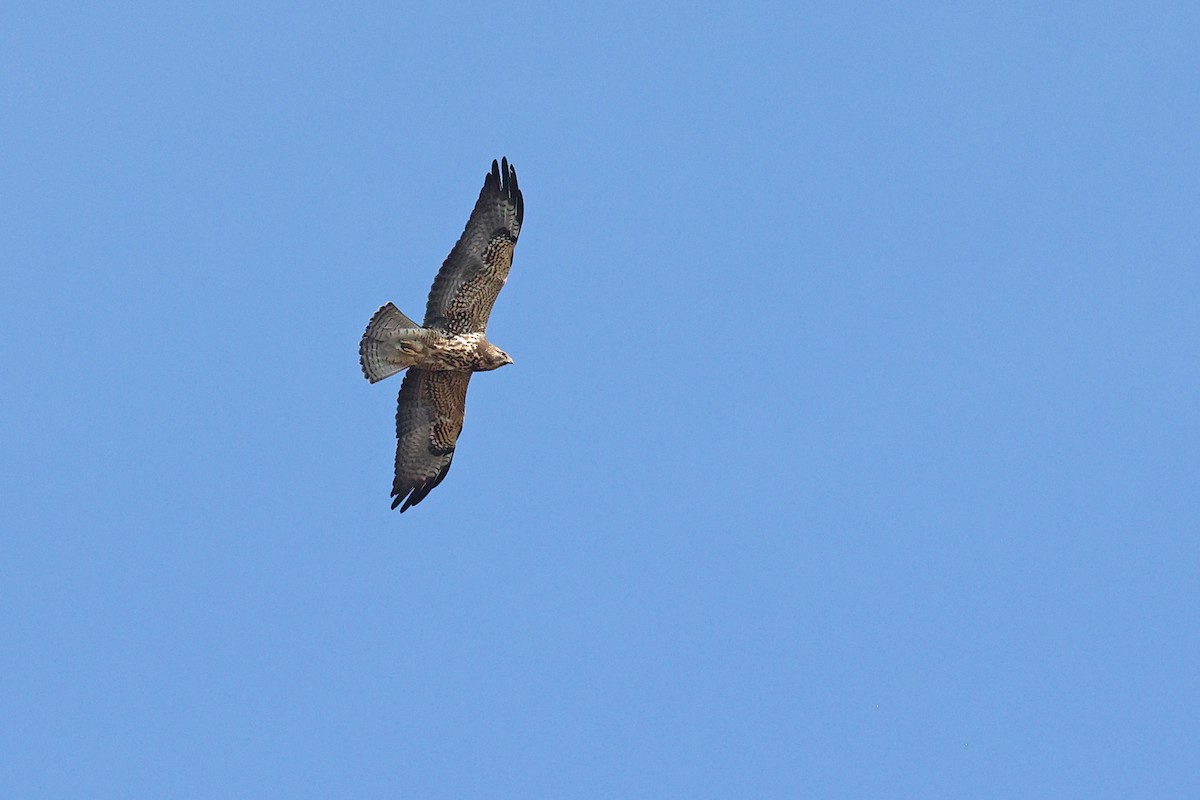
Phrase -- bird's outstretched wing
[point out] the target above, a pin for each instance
(429, 417)
(470, 278)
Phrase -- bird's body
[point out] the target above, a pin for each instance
(386, 349)
(441, 354)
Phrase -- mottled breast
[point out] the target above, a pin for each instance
(452, 351)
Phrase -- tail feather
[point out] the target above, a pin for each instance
(379, 351)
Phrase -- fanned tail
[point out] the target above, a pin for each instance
(379, 352)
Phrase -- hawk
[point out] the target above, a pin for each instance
(441, 354)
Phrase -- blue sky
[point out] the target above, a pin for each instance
(850, 449)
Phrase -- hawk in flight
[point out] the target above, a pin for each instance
(441, 354)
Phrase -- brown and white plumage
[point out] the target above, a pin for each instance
(472, 275)
(429, 417)
(441, 354)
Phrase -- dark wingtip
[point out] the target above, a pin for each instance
(509, 186)
(413, 494)
(410, 496)
(505, 175)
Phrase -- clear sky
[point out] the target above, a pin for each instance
(850, 448)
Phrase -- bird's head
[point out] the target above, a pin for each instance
(494, 358)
